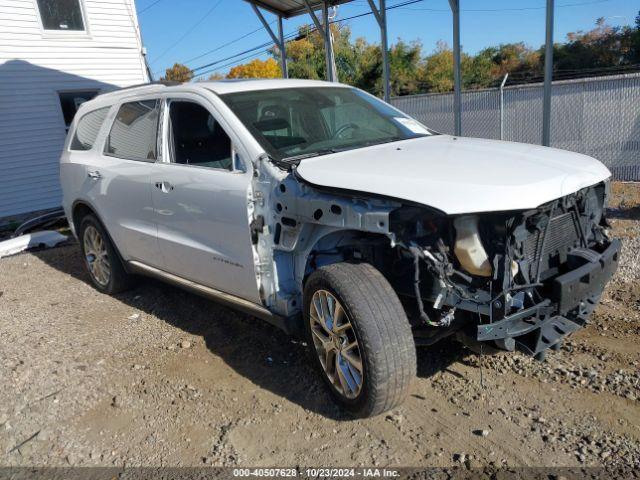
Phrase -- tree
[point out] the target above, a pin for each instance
(178, 73)
(306, 55)
(438, 69)
(359, 63)
(256, 69)
(603, 47)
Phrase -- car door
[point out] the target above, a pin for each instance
(119, 175)
(200, 200)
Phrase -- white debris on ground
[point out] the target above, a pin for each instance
(46, 238)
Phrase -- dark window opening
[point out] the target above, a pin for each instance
(196, 138)
(61, 15)
(71, 101)
(133, 135)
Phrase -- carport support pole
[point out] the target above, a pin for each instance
(385, 51)
(283, 49)
(504, 80)
(325, 31)
(328, 44)
(381, 18)
(457, 87)
(548, 77)
(277, 39)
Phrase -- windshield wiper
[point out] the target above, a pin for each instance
(297, 158)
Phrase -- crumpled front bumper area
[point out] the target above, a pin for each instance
(574, 296)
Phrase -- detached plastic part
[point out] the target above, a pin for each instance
(468, 248)
(42, 221)
(46, 238)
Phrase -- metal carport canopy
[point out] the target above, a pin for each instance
(291, 8)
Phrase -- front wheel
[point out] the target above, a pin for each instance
(359, 336)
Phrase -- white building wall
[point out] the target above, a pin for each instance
(35, 65)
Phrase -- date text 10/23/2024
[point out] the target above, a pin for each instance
(317, 472)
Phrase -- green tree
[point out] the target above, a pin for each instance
(359, 62)
(602, 47)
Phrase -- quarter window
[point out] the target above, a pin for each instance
(88, 128)
(63, 15)
(133, 135)
(196, 138)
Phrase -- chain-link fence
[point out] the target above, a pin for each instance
(599, 117)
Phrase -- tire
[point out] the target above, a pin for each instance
(385, 345)
(117, 280)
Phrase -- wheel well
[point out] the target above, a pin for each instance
(346, 246)
(80, 210)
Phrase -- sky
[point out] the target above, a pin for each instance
(199, 32)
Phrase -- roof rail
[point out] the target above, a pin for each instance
(164, 83)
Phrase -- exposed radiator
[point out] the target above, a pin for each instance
(562, 236)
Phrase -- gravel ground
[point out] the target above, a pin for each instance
(160, 377)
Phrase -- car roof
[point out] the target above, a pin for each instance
(249, 85)
(219, 87)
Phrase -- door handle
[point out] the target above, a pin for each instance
(94, 174)
(165, 187)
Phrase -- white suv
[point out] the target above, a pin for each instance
(335, 216)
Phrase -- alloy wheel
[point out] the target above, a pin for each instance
(336, 344)
(96, 255)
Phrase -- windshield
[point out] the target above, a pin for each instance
(293, 123)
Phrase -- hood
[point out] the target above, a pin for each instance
(456, 174)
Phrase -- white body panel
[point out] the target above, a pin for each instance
(37, 64)
(458, 175)
(198, 227)
(203, 229)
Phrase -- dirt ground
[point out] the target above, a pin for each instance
(160, 377)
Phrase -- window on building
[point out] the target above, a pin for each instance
(71, 101)
(88, 128)
(133, 135)
(196, 138)
(61, 15)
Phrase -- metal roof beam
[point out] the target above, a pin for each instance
(313, 16)
(293, 8)
(277, 39)
(265, 24)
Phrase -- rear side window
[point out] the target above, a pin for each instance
(88, 128)
(133, 135)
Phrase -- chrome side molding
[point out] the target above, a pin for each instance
(216, 295)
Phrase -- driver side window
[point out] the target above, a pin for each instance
(196, 138)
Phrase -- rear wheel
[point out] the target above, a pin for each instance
(360, 338)
(101, 259)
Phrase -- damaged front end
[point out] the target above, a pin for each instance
(507, 280)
